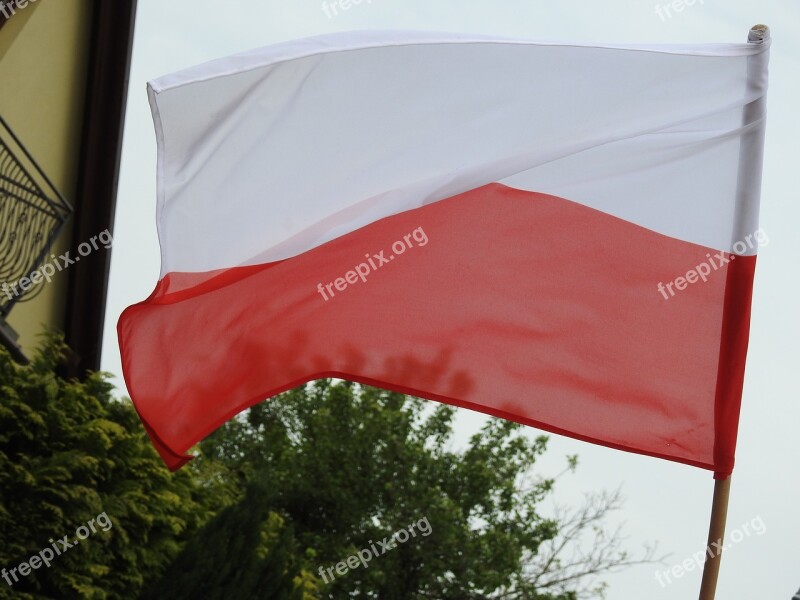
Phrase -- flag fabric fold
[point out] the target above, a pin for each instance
(563, 235)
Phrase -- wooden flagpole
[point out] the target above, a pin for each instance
(716, 535)
(722, 487)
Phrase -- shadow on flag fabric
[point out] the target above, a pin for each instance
(563, 235)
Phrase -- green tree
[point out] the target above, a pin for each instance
(69, 452)
(246, 552)
(347, 466)
(350, 465)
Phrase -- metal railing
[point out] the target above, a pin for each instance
(32, 212)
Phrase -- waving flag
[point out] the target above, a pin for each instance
(563, 235)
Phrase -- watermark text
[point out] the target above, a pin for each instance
(715, 262)
(373, 263)
(697, 560)
(57, 548)
(56, 263)
(362, 557)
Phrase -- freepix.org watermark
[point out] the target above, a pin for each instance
(664, 12)
(362, 557)
(373, 263)
(57, 548)
(56, 264)
(697, 560)
(10, 7)
(715, 262)
(332, 8)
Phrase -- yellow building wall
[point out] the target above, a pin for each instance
(43, 58)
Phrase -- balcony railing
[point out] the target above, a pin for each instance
(32, 212)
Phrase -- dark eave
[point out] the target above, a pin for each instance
(98, 174)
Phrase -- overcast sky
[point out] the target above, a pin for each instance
(666, 502)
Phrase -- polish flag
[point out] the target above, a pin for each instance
(563, 235)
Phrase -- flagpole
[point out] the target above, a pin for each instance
(716, 535)
(722, 487)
